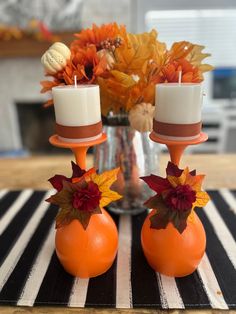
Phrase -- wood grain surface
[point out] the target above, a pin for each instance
(34, 172)
(59, 310)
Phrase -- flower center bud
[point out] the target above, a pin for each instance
(180, 198)
(87, 199)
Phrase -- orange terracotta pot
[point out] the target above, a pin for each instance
(171, 253)
(91, 252)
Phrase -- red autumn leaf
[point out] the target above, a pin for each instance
(173, 170)
(157, 183)
(77, 172)
(57, 180)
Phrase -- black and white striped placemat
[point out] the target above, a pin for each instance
(30, 273)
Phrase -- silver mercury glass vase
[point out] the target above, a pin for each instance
(136, 155)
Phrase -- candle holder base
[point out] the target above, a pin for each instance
(79, 149)
(176, 148)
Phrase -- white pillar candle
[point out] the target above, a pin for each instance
(178, 111)
(77, 112)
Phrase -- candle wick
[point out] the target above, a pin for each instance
(75, 80)
(180, 76)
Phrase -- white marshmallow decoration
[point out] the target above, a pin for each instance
(55, 58)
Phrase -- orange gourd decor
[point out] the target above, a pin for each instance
(86, 236)
(170, 252)
(173, 237)
(91, 252)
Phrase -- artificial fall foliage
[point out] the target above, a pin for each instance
(176, 197)
(127, 66)
(82, 195)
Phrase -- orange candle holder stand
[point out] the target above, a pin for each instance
(167, 251)
(79, 149)
(91, 252)
(176, 148)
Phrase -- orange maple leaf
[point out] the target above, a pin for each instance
(48, 85)
(179, 50)
(190, 73)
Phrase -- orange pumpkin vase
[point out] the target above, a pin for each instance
(172, 237)
(172, 253)
(86, 236)
(91, 252)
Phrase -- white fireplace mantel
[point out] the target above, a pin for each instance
(19, 82)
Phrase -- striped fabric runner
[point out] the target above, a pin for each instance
(30, 273)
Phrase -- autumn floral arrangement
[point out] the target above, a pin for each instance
(126, 66)
(82, 195)
(176, 197)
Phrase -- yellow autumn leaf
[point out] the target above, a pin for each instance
(191, 217)
(181, 180)
(108, 197)
(134, 55)
(113, 95)
(140, 92)
(173, 181)
(124, 79)
(196, 56)
(141, 55)
(202, 199)
(106, 178)
(159, 53)
(180, 50)
(120, 90)
(104, 181)
(205, 67)
(195, 181)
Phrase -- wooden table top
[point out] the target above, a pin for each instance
(33, 173)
